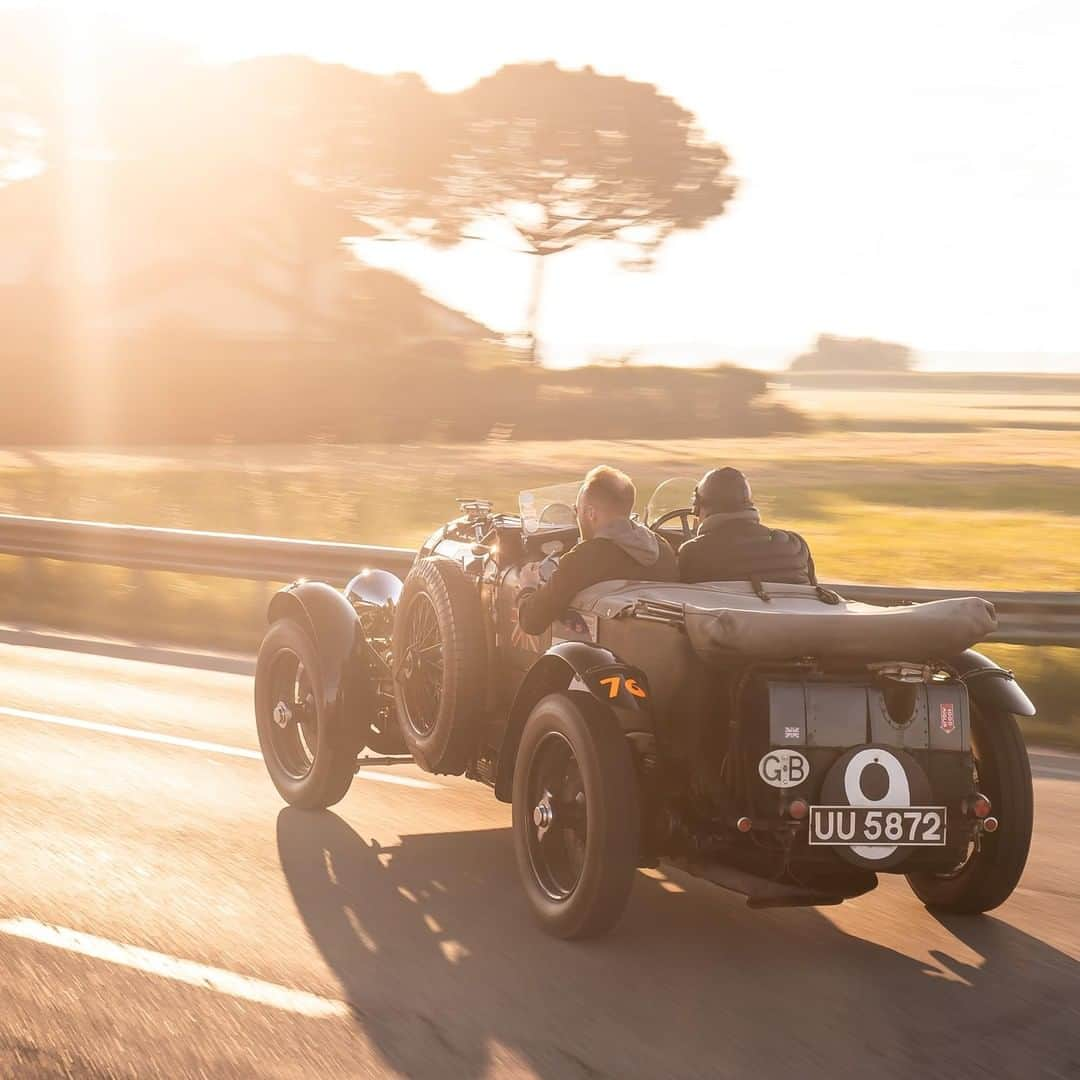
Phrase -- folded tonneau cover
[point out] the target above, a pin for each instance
(728, 620)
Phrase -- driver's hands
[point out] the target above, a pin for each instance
(529, 576)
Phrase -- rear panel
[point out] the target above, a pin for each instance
(822, 720)
(844, 714)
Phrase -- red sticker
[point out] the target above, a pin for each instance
(948, 718)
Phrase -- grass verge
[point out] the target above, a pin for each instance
(1051, 678)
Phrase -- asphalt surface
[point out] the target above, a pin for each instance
(163, 914)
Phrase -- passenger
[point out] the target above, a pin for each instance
(731, 543)
(611, 547)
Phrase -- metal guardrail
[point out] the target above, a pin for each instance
(235, 555)
(1035, 618)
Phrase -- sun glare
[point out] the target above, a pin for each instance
(839, 239)
(83, 242)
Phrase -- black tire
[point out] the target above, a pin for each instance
(990, 874)
(577, 885)
(440, 663)
(310, 764)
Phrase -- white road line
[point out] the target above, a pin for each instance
(1049, 770)
(131, 733)
(172, 967)
(190, 744)
(391, 778)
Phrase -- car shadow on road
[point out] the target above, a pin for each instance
(433, 946)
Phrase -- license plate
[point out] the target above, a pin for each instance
(900, 826)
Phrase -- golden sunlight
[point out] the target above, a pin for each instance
(82, 241)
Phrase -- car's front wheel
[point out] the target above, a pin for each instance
(309, 763)
(576, 816)
(991, 868)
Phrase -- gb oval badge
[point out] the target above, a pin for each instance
(783, 768)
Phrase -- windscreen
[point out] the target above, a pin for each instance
(674, 494)
(549, 507)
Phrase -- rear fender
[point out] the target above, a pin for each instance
(990, 686)
(576, 665)
(346, 688)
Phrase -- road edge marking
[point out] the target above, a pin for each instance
(130, 732)
(231, 983)
(191, 744)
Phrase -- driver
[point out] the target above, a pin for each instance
(731, 543)
(612, 547)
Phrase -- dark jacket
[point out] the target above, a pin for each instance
(737, 547)
(624, 550)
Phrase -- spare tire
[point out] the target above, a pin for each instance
(440, 664)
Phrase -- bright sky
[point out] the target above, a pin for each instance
(910, 171)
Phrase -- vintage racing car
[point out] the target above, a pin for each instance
(774, 739)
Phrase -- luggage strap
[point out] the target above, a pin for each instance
(759, 590)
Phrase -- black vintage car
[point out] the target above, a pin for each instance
(774, 739)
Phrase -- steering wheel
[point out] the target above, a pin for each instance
(684, 514)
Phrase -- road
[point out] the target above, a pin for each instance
(163, 914)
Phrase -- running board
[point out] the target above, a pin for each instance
(761, 892)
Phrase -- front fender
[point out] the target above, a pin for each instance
(343, 681)
(991, 686)
(575, 665)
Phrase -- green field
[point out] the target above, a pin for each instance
(980, 509)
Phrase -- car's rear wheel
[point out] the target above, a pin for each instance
(991, 868)
(576, 816)
(440, 661)
(309, 763)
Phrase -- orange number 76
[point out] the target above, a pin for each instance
(613, 681)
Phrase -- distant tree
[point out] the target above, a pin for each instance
(566, 157)
(284, 157)
(353, 155)
(273, 160)
(833, 353)
(378, 145)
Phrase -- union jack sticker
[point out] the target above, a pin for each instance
(792, 732)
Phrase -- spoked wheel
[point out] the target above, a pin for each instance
(991, 868)
(421, 671)
(308, 765)
(440, 665)
(576, 816)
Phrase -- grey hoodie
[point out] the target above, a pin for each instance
(637, 540)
